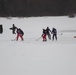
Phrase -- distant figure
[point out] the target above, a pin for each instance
(13, 29)
(20, 34)
(1, 29)
(44, 35)
(54, 32)
(48, 33)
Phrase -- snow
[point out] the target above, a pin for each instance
(34, 57)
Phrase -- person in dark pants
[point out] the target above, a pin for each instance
(20, 34)
(13, 28)
(48, 33)
(1, 29)
(54, 32)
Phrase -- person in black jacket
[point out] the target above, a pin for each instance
(48, 33)
(20, 34)
(44, 35)
(13, 28)
(54, 32)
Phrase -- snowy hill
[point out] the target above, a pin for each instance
(31, 57)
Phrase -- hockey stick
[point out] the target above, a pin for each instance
(60, 34)
(13, 39)
(38, 38)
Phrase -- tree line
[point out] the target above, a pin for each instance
(25, 8)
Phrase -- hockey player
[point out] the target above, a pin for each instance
(44, 35)
(13, 29)
(54, 32)
(48, 33)
(20, 34)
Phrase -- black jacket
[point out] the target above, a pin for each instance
(54, 31)
(19, 31)
(48, 30)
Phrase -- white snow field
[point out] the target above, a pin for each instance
(34, 57)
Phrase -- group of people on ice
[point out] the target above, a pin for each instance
(46, 32)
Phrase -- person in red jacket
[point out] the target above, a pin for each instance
(20, 34)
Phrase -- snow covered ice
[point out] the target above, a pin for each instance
(31, 57)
